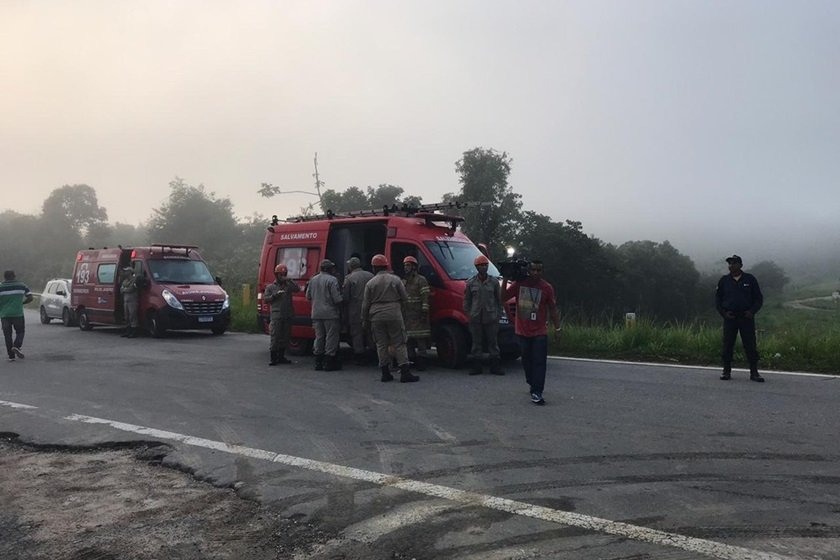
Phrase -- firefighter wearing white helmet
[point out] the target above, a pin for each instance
(278, 294)
(382, 310)
(325, 294)
(416, 313)
(482, 304)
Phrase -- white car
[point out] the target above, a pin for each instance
(55, 302)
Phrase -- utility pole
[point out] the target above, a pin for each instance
(318, 182)
(268, 190)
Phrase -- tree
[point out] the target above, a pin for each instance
(108, 235)
(194, 216)
(771, 277)
(657, 280)
(483, 174)
(75, 206)
(579, 266)
(353, 198)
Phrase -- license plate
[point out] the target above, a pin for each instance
(205, 319)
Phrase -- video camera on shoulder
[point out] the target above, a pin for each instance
(514, 269)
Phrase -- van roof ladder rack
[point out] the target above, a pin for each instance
(393, 210)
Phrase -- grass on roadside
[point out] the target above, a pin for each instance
(788, 339)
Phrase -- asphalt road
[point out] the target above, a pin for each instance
(625, 461)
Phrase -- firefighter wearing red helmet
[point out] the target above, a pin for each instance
(416, 314)
(278, 294)
(483, 304)
(382, 310)
(325, 294)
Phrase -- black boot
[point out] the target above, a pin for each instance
(126, 332)
(273, 361)
(281, 357)
(496, 367)
(406, 375)
(727, 373)
(476, 368)
(319, 362)
(332, 363)
(132, 332)
(386, 374)
(754, 376)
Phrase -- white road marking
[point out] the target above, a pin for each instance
(18, 405)
(684, 366)
(595, 524)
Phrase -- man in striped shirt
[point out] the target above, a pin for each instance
(13, 295)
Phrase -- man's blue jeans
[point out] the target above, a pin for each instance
(534, 351)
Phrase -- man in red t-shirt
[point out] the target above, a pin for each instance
(535, 302)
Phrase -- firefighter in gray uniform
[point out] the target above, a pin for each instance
(482, 304)
(353, 293)
(382, 310)
(279, 295)
(325, 294)
(128, 289)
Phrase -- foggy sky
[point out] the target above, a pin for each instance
(714, 125)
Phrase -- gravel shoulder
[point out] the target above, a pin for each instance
(120, 502)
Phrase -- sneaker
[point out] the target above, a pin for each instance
(725, 377)
(536, 398)
(20, 355)
(12, 359)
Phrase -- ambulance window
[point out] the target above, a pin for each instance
(399, 251)
(300, 261)
(457, 258)
(105, 273)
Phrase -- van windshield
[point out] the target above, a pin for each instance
(180, 272)
(457, 258)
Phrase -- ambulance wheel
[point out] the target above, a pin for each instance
(451, 344)
(45, 319)
(84, 322)
(153, 326)
(66, 318)
(300, 346)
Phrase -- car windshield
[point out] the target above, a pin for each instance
(180, 272)
(457, 258)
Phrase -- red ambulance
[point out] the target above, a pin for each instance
(176, 292)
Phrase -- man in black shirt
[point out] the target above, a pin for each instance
(738, 298)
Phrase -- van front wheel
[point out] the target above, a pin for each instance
(153, 326)
(451, 344)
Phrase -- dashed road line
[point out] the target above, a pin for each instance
(18, 405)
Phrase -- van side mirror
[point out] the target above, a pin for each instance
(218, 280)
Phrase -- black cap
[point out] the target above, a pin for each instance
(734, 258)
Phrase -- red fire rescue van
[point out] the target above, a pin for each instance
(176, 292)
(444, 254)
